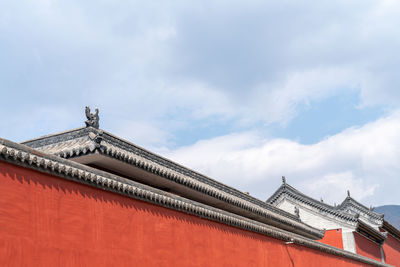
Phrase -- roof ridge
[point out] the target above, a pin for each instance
(311, 198)
(51, 135)
(25, 156)
(351, 200)
(126, 152)
(103, 132)
(175, 163)
(286, 188)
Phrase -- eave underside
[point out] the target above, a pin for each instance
(104, 151)
(23, 156)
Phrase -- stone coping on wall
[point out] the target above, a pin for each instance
(27, 157)
(88, 141)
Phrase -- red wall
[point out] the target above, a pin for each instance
(48, 221)
(367, 247)
(391, 249)
(333, 238)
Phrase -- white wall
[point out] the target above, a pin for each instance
(315, 218)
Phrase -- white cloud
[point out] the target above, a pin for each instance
(248, 62)
(363, 160)
(339, 183)
(155, 68)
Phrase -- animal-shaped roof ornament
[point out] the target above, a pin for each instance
(92, 118)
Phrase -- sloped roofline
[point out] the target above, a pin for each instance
(370, 232)
(296, 194)
(27, 157)
(391, 229)
(50, 139)
(89, 140)
(349, 201)
(129, 146)
(34, 140)
(361, 227)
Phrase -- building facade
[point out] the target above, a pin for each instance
(350, 226)
(85, 197)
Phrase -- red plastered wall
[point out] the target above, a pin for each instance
(333, 238)
(49, 221)
(391, 250)
(367, 247)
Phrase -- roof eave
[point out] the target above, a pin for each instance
(27, 157)
(128, 153)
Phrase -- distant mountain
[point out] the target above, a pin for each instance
(392, 214)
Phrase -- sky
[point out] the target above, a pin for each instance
(241, 91)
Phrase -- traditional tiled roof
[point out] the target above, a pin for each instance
(350, 205)
(89, 140)
(349, 210)
(66, 169)
(285, 190)
(370, 232)
(365, 220)
(386, 226)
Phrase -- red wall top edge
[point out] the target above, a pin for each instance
(49, 221)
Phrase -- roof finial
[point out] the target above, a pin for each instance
(283, 180)
(322, 200)
(348, 193)
(92, 118)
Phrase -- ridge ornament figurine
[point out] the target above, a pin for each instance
(92, 118)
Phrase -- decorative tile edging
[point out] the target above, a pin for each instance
(351, 204)
(99, 141)
(27, 157)
(327, 209)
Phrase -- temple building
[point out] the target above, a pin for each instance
(86, 197)
(350, 226)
